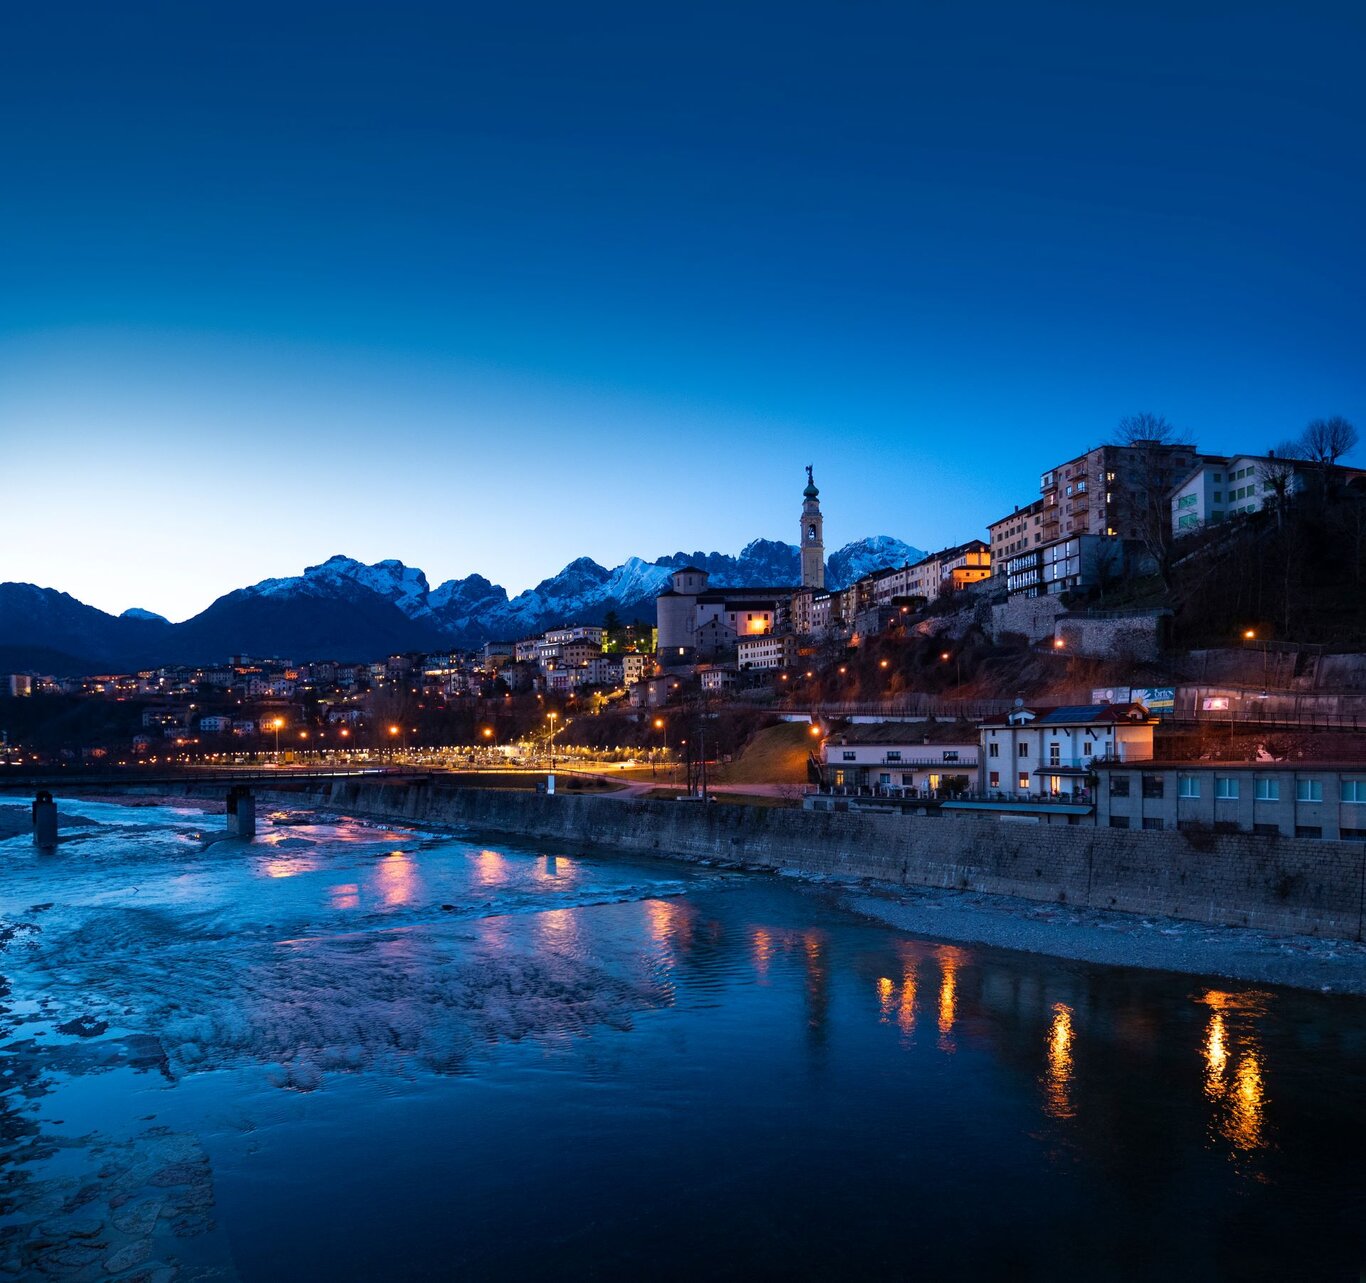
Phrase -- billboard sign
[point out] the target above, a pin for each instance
(1156, 699)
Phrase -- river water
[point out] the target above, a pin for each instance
(347, 1051)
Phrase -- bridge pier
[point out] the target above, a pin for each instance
(44, 821)
(241, 812)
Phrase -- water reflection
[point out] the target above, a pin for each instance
(288, 864)
(762, 940)
(558, 927)
(345, 895)
(490, 868)
(1239, 1101)
(905, 1012)
(886, 998)
(1058, 1075)
(671, 924)
(396, 878)
(949, 961)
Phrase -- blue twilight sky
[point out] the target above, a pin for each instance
(486, 288)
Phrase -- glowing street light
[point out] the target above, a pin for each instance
(277, 724)
(553, 719)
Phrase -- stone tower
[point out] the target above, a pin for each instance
(813, 536)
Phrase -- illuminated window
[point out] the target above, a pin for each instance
(1024, 782)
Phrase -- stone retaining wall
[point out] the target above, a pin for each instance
(1281, 884)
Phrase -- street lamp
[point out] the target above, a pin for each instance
(553, 718)
(654, 753)
(277, 723)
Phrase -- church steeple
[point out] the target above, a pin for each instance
(813, 535)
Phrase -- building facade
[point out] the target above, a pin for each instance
(770, 651)
(1220, 487)
(1306, 800)
(1051, 751)
(1017, 533)
(898, 759)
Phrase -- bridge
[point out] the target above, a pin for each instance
(237, 781)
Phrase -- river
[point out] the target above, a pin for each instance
(347, 1051)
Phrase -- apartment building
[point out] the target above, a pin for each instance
(1014, 534)
(1111, 489)
(1306, 800)
(1220, 487)
(948, 570)
(1050, 751)
(897, 756)
(770, 650)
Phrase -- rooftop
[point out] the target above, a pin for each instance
(909, 733)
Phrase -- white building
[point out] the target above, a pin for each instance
(716, 677)
(899, 758)
(1047, 752)
(585, 633)
(769, 650)
(1220, 487)
(605, 670)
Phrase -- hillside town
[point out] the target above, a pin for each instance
(1063, 615)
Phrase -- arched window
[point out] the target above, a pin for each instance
(811, 534)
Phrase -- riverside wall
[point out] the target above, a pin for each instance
(1303, 886)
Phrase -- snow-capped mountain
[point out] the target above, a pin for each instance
(345, 608)
(147, 616)
(772, 563)
(855, 560)
(405, 586)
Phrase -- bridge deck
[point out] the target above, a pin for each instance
(14, 781)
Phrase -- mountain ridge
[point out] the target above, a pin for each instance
(344, 608)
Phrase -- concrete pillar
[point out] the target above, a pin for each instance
(44, 821)
(241, 812)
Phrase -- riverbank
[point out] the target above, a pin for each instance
(1149, 943)
(1156, 942)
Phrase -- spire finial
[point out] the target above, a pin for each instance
(810, 480)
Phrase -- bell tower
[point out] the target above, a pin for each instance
(813, 536)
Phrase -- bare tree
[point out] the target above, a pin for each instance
(1146, 428)
(1327, 440)
(1152, 443)
(1277, 472)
